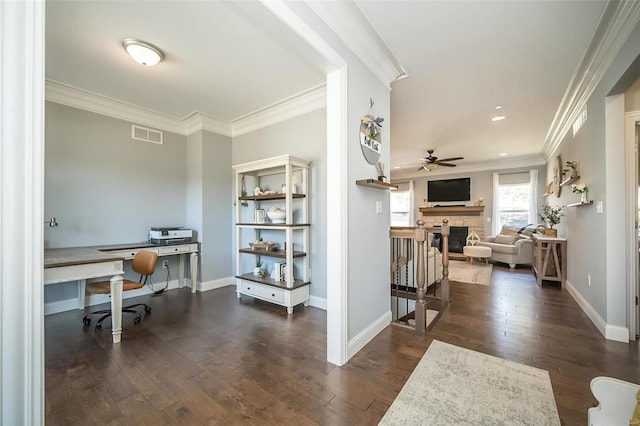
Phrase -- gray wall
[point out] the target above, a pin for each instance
(106, 188)
(304, 137)
(481, 186)
(209, 191)
(589, 247)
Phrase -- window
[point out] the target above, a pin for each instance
(400, 205)
(514, 204)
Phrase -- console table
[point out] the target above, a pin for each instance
(550, 259)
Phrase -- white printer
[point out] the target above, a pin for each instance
(170, 235)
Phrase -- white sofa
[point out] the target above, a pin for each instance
(518, 252)
(433, 265)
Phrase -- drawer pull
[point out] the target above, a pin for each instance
(248, 288)
(273, 295)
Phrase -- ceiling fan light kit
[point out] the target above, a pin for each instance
(432, 159)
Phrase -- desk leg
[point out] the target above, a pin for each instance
(82, 288)
(181, 282)
(194, 272)
(116, 308)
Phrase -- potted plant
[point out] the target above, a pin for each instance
(574, 168)
(551, 216)
(380, 170)
(257, 271)
(581, 189)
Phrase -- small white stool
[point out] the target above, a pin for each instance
(472, 251)
(477, 252)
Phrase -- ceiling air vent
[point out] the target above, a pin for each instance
(147, 135)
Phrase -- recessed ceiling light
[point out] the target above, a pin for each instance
(498, 118)
(142, 52)
(498, 106)
(503, 154)
(396, 167)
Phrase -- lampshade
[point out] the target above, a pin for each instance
(142, 52)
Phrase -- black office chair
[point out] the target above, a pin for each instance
(144, 263)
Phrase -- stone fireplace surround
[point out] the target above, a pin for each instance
(470, 216)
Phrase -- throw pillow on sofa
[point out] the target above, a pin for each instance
(506, 239)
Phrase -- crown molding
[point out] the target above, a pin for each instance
(481, 166)
(294, 106)
(616, 23)
(89, 101)
(197, 121)
(349, 22)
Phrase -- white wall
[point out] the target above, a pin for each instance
(303, 137)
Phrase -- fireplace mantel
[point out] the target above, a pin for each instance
(452, 210)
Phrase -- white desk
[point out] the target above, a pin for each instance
(81, 263)
(70, 264)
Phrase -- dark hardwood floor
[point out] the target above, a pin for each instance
(210, 359)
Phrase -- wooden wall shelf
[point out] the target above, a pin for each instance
(569, 180)
(588, 203)
(376, 184)
(452, 210)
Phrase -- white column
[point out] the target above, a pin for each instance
(21, 212)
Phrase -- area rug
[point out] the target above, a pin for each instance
(456, 386)
(464, 272)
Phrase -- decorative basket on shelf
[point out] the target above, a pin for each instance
(263, 245)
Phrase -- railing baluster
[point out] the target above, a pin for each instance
(421, 304)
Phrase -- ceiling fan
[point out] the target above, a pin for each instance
(431, 159)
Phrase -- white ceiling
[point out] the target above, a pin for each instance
(229, 59)
(225, 59)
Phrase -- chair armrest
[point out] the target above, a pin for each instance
(489, 239)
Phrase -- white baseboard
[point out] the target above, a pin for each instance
(97, 299)
(219, 283)
(366, 335)
(617, 333)
(318, 302)
(60, 306)
(610, 332)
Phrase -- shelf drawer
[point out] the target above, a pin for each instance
(264, 292)
(164, 251)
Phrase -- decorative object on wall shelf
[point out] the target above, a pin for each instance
(581, 189)
(557, 176)
(551, 216)
(370, 128)
(376, 184)
(380, 170)
(573, 169)
(548, 190)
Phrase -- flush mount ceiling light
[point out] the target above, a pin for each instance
(142, 52)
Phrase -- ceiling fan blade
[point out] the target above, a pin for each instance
(452, 159)
(439, 163)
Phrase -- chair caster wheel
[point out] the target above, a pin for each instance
(147, 309)
(86, 321)
(98, 327)
(136, 320)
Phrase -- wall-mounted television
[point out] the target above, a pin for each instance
(449, 190)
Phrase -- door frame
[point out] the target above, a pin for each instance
(632, 119)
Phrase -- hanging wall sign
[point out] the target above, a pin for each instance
(370, 135)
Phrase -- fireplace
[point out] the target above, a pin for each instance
(457, 238)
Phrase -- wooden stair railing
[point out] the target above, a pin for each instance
(403, 241)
